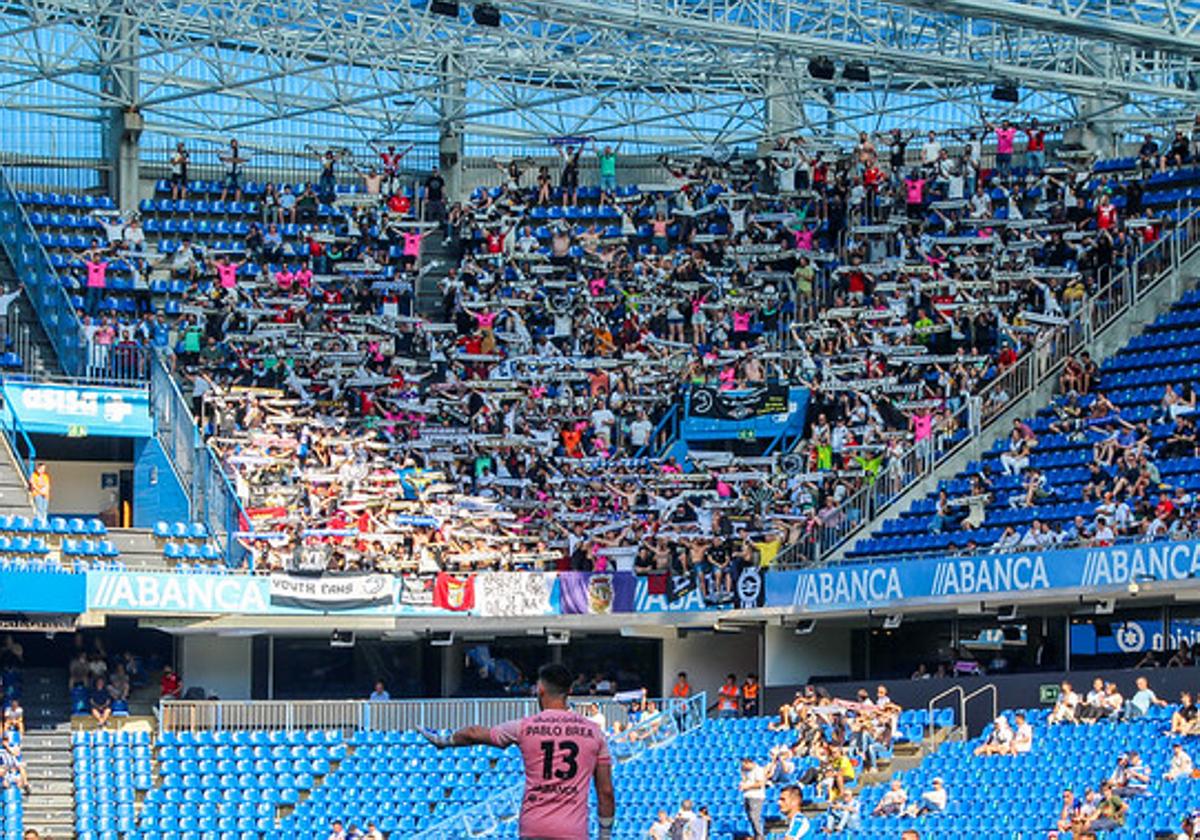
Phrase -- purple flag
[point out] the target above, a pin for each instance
(596, 593)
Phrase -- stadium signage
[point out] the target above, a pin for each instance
(80, 410)
(161, 592)
(990, 574)
(1115, 566)
(848, 586)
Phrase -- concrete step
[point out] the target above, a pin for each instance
(45, 760)
(51, 787)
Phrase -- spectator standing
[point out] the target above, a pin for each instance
(179, 172)
(728, 697)
(607, 160)
(753, 786)
(682, 689)
(39, 490)
(750, 690)
(661, 828)
(5, 303)
(379, 694)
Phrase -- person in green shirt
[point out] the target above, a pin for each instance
(1111, 813)
(922, 327)
(608, 169)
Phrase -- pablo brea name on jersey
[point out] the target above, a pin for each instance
(559, 729)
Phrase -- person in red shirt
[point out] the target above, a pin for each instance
(1035, 147)
(170, 686)
(1106, 214)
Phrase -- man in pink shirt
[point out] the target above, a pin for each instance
(1005, 135)
(563, 752)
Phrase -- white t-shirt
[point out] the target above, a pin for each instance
(639, 432)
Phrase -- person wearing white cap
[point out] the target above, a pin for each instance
(932, 801)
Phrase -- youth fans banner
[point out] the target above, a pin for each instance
(332, 592)
(596, 593)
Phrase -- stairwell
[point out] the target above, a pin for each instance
(29, 338)
(50, 804)
(14, 490)
(436, 260)
(139, 549)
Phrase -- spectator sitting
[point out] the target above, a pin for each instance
(1000, 741)
(932, 801)
(893, 801)
(100, 703)
(1181, 764)
(843, 814)
(1111, 811)
(14, 717)
(170, 686)
(1184, 720)
(1141, 701)
(13, 765)
(1131, 777)
(1066, 708)
(379, 694)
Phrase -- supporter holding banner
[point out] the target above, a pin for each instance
(596, 593)
(332, 592)
(739, 405)
(454, 592)
(514, 594)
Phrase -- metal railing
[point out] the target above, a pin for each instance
(484, 819)
(211, 494)
(932, 706)
(1085, 324)
(19, 442)
(34, 270)
(381, 716)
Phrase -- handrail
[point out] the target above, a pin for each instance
(989, 688)
(11, 430)
(50, 301)
(212, 497)
(929, 727)
(365, 715)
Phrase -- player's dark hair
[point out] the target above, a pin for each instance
(556, 678)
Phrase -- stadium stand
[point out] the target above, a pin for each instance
(1113, 459)
(572, 330)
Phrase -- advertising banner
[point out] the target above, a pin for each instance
(80, 410)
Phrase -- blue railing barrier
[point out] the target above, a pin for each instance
(35, 271)
(211, 494)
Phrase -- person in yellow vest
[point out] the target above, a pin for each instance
(729, 698)
(39, 489)
(750, 696)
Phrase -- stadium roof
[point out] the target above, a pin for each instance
(664, 72)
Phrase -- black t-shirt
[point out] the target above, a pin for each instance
(434, 187)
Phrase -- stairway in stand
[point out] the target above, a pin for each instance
(50, 804)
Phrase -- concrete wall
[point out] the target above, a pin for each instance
(221, 665)
(709, 656)
(75, 486)
(790, 659)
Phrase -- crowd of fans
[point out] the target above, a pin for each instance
(519, 426)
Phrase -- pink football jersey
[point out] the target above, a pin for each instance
(561, 751)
